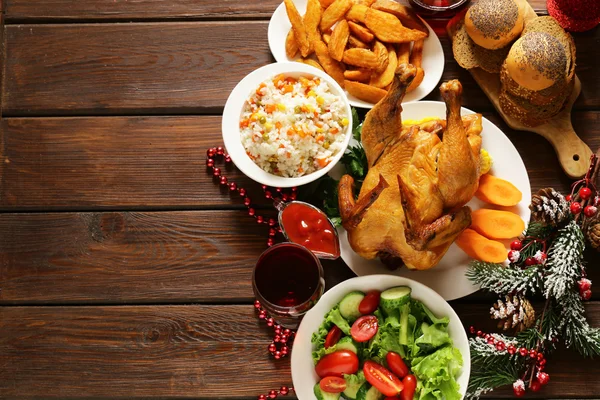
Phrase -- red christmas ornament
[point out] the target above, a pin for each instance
(568, 197)
(516, 245)
(575, 15)
(529, 261)
(589, 211)
(575, 207)
(535, 386)
(513, 256)
(543, 378)
(585, 193)
(519, 388)
(584, 284)
(586, 294)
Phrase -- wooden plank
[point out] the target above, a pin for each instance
(183, 352)
(66, 10)
(88, 163)
(143, 257)
(129, 68)
(122, 257)
(166, 68)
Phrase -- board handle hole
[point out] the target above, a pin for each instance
(576, 157)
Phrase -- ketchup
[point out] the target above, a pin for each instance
(310, 228)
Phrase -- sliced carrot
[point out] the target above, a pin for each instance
(278, 125)
(288, 88)
(270, 108)
(278, 79)
(244, 123)
(334, 130)
(320, 138)
(262, 85)
(498, 191)
(481, 248)
(322, 162)
(496, 224)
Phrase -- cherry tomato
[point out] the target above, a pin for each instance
(383, 380)
(396, 364)
(410, 384)
(364, 328)
(333, 384)
(369, 303)
(333, 336)
(337, 363)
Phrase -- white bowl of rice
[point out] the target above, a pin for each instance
(286, 124)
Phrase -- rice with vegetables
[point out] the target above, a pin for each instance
(293, 126)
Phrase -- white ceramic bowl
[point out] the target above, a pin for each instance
(233, 110)
(303, 369)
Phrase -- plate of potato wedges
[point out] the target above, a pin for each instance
(359, 43)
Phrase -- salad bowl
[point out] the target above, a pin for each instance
(304, 375)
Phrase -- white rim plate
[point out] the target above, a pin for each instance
(304, 376)
(231, 118)
(448, 277)
(433, 54)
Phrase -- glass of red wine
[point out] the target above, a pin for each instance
(288, 281)
(441, 8)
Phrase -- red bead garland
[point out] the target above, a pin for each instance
(282, 339)
(216, 153)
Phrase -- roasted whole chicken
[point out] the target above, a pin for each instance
(411, 206)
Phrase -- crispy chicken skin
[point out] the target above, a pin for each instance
(411, 204)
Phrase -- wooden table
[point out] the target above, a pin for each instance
(124, 270)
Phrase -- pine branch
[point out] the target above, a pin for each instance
(500, 279)
(565, 260)
(529, 337)
(576, 330)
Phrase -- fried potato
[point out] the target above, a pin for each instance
(357, 13)
(313, 63)
(332, 67)
(364, 92)
(361, 32)
(406, 15)
(386, 77)
(334, 13)
(361, 58)
(389, 29)
(403, 52)
(417, 81)
(326, 38)
(311, 20)
(366, 2)
(354, 42)
(416, 55)
(338, 41)
(382, 56)
(360, 75)
(326, 3)
(291, 47)
(297, 27)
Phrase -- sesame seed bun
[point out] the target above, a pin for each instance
(493, 24)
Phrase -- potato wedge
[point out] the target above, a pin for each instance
(386, 77)
(291, 47)
(334, 68)
(326, 38)
(334, 13)
(326, 3)
(298, 27)
(416, 55)
(338, 41)
(361, 32)
(389, 29)
(417, 81)
(361, 58)
(382, 56)
(357, 13)
(405, 14)
(360, 75)
(366, 2)
(311, 20)
(354, 42)
(313, 63)
(403, 53)
(364, 92)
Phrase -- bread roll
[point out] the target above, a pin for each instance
(537, 61)
(493, 24)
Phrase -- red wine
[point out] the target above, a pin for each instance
(287, 275)
(438, 8)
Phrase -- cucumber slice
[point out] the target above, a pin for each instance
(346, 343)
(404, 313)
(349, 305)
(321, 395)
(352, 389)
(368, 392)
(393, 298)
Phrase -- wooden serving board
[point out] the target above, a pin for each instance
(573, 154)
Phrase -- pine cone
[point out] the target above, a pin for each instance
(514, 312)
(592, 234)
(549, 207)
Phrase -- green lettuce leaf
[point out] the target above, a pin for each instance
(436, 374)
(333, 317)
(433, 336)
